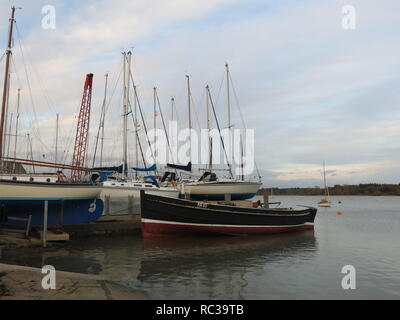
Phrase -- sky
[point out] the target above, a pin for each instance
(311, 89)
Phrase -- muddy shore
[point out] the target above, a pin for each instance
(25, 283)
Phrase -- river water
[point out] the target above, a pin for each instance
(305, 265)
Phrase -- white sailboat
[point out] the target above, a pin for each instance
(122, 187)
(209, 186)
(326, 201)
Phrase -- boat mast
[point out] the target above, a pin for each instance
(127, 69)
(103, 113)
(56, 151)
(136, 133)
(6, 82)
(129, 59)
(230, 144)
(208, 131)
(16, 127)
(190, 119)
(136, 125)
(326, 187)
(124, 118)
(241, 158)
(155, 122)
(9, 135)
(172, 108)
(219, 130)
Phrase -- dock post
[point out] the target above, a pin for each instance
(266, 198)
(28, 227)
(46, 212)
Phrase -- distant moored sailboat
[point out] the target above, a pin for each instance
(326, 201)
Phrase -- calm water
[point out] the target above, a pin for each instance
(304, 265)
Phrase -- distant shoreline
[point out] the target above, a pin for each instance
(370, 189)
(333, 195)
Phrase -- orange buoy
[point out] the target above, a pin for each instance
(339, 213)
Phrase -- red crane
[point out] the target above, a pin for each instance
(82, 130)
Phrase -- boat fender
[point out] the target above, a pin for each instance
(256, 204)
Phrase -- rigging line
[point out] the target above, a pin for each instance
(220, 89)
(113, 91)
(242, 118)
(30, 93)
(165, 129)
(46, 96)
(101, 124)
(143, 120)
(195, 112)
(107, 108)
(33, 120)
(2, 57)
(219, 130)
(144, 125)
(136, 134)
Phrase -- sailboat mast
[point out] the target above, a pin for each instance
(220, 135)
(126, 71)
(16, 127)
(208, 131)
(190, 119)
(103, 113)
(326, 188)
(155, 122)
(241, 157)
(136, 131)
(9, 135)
(172, 108)
(230, 144)
(56, 151)
(6, 82)
(124, 118)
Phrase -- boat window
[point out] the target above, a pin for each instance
(15, 178)
(137, 185)
(48, 179)
(148, 185)
(31, 179)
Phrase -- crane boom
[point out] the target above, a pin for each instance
(82, 130)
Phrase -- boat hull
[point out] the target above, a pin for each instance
(67, 203)
(217, 190)
(124, 192)
(163, 216)
(325, 205)
(23, 190)
(60, 212)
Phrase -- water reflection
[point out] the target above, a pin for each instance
(211, 267)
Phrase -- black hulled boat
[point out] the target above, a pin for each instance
(171, 216)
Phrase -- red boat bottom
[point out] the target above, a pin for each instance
(156, 229)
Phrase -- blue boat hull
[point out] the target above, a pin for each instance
(60, 212)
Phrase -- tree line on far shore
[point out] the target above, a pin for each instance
(368, 189)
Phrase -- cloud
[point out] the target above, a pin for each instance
(311, 90)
